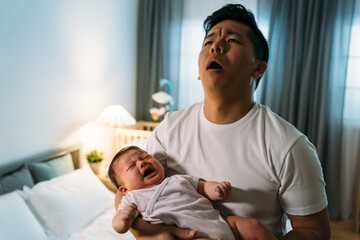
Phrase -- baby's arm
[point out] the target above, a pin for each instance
(214, 190)
(124, 218)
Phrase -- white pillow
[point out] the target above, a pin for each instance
(69, 202)
(17, 221)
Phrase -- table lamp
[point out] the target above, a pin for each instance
(115, 116)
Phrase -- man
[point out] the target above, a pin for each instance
(274, 169)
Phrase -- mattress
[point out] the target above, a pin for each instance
(101, 228)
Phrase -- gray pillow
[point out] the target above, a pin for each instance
(16, 180)
(42, 171)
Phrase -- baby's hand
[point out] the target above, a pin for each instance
(124, 218)
(128, 213)
(223, 190)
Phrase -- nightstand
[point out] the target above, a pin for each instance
(107, 182)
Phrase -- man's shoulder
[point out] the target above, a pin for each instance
(278, 133)
(276, 123)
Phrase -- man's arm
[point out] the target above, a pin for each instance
(302, 170)
(146, 231)
(313, 227)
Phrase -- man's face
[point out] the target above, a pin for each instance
(137, 169)
(226, 61)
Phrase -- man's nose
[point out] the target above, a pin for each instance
(217, 47)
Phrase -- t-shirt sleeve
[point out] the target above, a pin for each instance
(126, 200)
(302, 190)
(194, 181)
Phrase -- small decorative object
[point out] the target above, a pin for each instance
(164, 99)
(95, 159)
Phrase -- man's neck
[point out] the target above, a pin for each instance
(226, 112)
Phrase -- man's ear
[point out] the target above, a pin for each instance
(260, 69)
(123, 189)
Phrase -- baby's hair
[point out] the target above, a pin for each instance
(111, 171)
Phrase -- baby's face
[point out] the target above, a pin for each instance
(137, 169)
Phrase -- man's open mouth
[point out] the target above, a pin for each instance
(148, 172)
(214, 65)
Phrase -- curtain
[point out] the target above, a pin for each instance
(350, 165)
(306, 76)
(159, 31)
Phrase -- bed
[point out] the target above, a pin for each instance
(52, 196)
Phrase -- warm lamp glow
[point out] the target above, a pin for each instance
(115, 116)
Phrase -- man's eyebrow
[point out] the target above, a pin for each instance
(228, 32)
(209, 35)
(240, 35)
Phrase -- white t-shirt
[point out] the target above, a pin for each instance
(272, 167)
(176, 201)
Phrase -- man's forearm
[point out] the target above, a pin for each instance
(143, 230)
(141, 227)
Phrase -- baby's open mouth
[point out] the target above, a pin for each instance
(148, 172)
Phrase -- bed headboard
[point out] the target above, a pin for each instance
(74, 150)
(39, 167)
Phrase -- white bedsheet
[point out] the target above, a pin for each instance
(101, 228)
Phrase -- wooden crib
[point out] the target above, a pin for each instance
(136, 134)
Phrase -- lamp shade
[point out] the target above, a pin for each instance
(115, 116)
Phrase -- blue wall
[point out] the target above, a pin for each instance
(61, 63)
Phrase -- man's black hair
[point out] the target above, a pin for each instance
(239, 13)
